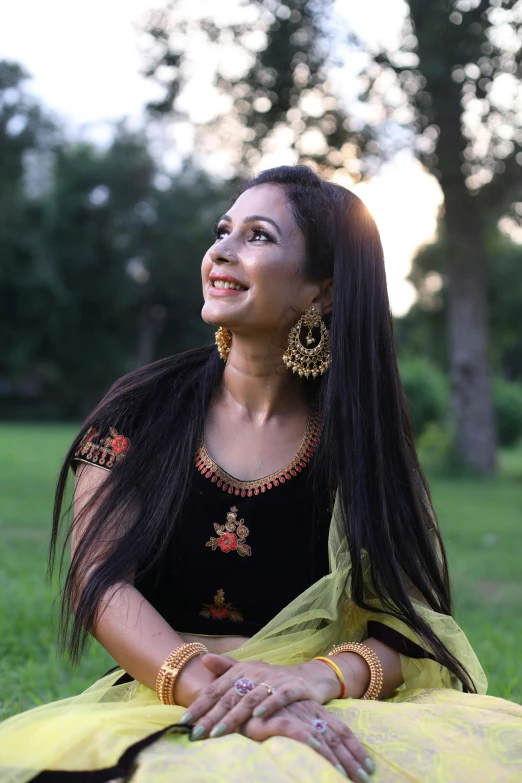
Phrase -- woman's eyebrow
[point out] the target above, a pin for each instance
(251, 218)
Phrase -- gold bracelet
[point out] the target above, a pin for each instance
(168, 674)
(338, 672)
(374, 664)
(168, 683)
(171, 668)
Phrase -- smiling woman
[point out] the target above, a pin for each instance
(259, 553)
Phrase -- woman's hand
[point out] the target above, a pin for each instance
(338, 743)
(219, 709)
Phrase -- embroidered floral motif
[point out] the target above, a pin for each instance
(220, 610)
(231, 536)
(120, 444)
(206, 465)
(104, 452)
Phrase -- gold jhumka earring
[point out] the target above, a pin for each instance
(223, 342)
(308, 361)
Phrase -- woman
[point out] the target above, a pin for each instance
(177, 541)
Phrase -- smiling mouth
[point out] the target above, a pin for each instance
(225, 284)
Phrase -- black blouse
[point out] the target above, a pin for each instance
(241, 550)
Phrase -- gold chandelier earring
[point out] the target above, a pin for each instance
(314, 359)
(223, 342)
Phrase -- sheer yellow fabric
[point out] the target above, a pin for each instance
(325, 614)
(429, 731)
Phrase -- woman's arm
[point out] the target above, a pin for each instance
(128, 626)
(356, 671)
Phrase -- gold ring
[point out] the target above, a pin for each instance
(270, 689)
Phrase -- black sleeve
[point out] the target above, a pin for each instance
(397, 641)
(102, 449)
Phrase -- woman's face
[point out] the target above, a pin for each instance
(260, 249)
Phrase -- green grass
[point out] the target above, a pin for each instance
(481, 522)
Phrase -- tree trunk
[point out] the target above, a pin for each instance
(472, 404)
(471, 398)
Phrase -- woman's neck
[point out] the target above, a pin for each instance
(256, 382)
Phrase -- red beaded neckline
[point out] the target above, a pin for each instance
(211, 470)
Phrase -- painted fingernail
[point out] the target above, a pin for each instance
(314, 743)
(186, 718)
(341, 770)
(218, 730)
(197, 733)
(362, 775)
(259, 711)
(370, 766)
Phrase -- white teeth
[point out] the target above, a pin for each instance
(226, 284)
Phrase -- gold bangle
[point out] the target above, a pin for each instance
(338, 672)
(376, 674)
(171, 668)
(167, 678)
(173, 674)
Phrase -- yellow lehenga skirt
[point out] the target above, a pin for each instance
(428, 732)
(435, 735)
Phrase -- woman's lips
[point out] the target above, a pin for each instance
(225, 291)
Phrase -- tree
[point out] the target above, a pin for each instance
(422, 330)
(126, 242)
(27, 286)
(464, 89)
(271, 82)
(100, 254)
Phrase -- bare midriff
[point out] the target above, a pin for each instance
(216, 644)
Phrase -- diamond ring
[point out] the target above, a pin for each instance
(320, 725)
(243, 686)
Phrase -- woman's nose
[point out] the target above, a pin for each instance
(221, 253)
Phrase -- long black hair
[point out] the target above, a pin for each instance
(366, 451)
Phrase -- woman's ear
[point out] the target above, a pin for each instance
(324, 299)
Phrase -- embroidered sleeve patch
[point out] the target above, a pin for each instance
(103, 452)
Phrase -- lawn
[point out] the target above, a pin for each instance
(481, 522)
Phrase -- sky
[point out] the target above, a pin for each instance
(86, 62)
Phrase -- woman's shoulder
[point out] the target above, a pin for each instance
(136, 401)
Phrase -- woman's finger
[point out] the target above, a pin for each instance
(282, 695)
(210, 696)
(341, 739)
(217, 664)
(354, 747)
(347, 760)
(290, 726)
(211, 723)
(231, 712)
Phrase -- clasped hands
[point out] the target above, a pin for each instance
(294, 708)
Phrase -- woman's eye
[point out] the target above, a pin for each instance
(260, 234)
(220, 232)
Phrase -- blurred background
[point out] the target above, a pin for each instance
(124, 127)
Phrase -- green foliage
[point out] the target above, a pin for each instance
(100, 255)
(508, 410)
(480, 521)
(437, 451)
(427, 392)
